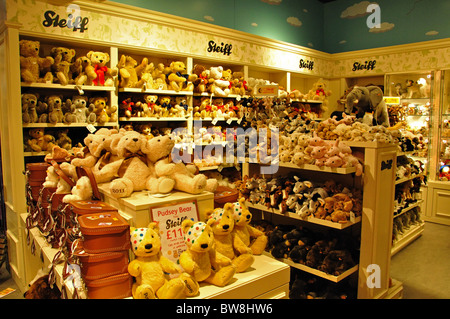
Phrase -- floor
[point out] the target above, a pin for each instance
(423, 267)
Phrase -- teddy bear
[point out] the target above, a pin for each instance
(249, 235)
(159, 76)
(83, 114)
(32, 65)
(177, 79)
(97, 73)
(183, 107)
(203, 109)
(183, 175)
(238, 84)
(221, 86)
(64, 141)
(94, 148)
(227, 243)
(204, 82)
(40, 141)
(136, 171)
(130, 72)
(98, 105)
(166, 105)
(153, 108)
(200, 260)
(81, 191)
(29, 103)
(150, 268)
(62, 66)
(78, 70)
(55, 113)
(319, 92)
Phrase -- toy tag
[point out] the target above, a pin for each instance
(229, 121)
(214, 122)
(352, 217)
(91, 128)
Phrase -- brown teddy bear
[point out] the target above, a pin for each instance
(55, 113)
(32, 65)
(130, 72)
(78, 70)
(97, 73)
(40, 141)
(98, 104)
(204, 82)
(61, 68)
(29, 103)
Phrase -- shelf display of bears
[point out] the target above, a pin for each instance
(150, 268)
(199, 259)
(226, 242)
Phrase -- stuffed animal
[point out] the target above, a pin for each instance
(29, 103)
(81, 191)
(239, 85)
(98, 106)
(94, 148)
(31, 64)
(78, 69)
(166, 106)
(178, 80)
(200, 259)
(40, 141)
(55, 113)
(97, 73)
(150, 266)
(204, 82)
(368, 99)
(221, 86)
(227, 243)
(130, 72)
(62, 66)
(82, 112)
(64, 141)
(159, 76)
(153, 108)
(183, 175)
(41, 289)
(249, 235)
(136, 173)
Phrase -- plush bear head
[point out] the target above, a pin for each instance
(178, 66)
(165, 101)
(54, 101)
(29, 48)
(29, 100)
(199, 236)
(160, 146)
(36, 133)
(80, 101)
(145, 242)
(62, 54)
(242, 215)
(98, 58)
(129, 142)
(150, 99)
(223, 219)
(95, 143)
(227, 75)
(216, 72)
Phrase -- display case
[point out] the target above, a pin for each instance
(442, 117)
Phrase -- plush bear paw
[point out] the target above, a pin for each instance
(144, 292)
(191, 285)
(121, 187)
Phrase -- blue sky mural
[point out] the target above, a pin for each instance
(336, 26)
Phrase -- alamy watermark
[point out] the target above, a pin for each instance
(374, 19)
(241, 145)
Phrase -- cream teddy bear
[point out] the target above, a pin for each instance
(149, 268)
(200, 259)
(81, 191)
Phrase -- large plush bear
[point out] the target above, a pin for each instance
(97, 73)
(130, 72)
(368, 99)
(178, 79)
(184, 175)
(227, 243)
(150, 266)
(31, 64)
(62, 66)
(200, 259)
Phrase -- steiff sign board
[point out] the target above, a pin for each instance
(169, 219)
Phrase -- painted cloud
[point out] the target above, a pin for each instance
(433, 32)
(274, 2)
(357, 10)
(209, 18)
(294, 21)
(385, 26)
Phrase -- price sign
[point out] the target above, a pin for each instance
(170, 219)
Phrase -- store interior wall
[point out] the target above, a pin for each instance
(332, 27)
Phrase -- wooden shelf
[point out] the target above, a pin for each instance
(152, 119)
(68, 87)
(405, 179)
(407, 237)
(316, 272)
(327, 169)
(165, 92)
(404, 210)
(63, 125)
(309, 219)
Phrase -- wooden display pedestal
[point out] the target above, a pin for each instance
(136, 209)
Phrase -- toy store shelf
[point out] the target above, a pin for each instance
(267, 278)
(231, 96)
(310, 167)
(367, 144)
(217, 119)
(68, 87)
(47, 254)
(29, 154)
(405, 179)
(404, 210)
(407, 237)
(167, 92)
(152, 119)
(309, 219)
(46, 125)
(214, 167)
(314, 271)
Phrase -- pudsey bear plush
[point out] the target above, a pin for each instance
(227, 243)
(200, 259)
(244, 231)
(150, 266)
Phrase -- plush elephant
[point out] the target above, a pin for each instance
(368, 99)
